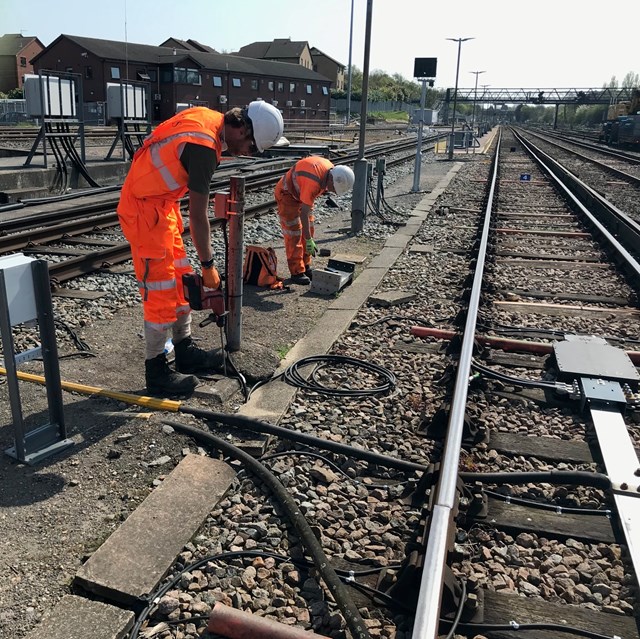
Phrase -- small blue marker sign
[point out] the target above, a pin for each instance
(525, 177)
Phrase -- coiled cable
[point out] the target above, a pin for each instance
(294, 377)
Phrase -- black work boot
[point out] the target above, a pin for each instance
(191, 359)
(162, 380)
(308, 272)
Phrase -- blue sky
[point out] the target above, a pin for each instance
(540, 43)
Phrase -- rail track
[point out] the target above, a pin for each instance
(63, 229)
(505, 497)
(500, 498)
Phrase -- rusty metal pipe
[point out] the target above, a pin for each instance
(237, 624)
(502, 343)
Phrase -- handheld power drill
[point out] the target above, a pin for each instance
(201, 298)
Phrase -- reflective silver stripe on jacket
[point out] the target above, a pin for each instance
(156, 159)
(291, 181)
(181, 262)
(160, 285)
(155, 326)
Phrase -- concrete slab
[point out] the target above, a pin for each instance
(134, 559)
(386, 258)
(392, 298)
(78, 618)
(422, 248)
(350, 257)
(353, 297)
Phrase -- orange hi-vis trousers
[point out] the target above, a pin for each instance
(289, 213)
(154, 231)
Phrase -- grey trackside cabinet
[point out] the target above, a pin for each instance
(25, 297)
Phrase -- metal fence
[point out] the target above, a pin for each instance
(13, 106)
(388, 105)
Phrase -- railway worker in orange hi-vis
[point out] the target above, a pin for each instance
(295, 195)
(181, 155)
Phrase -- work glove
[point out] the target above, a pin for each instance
(312, 247)
(211, 277)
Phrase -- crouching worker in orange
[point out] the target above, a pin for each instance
(295, 195)
(179, 156)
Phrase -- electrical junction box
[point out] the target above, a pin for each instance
(333, 278)
(18, 281)
(56, 96)
(221, 205)
(127, 101)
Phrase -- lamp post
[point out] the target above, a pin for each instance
(455, 94)
(350, 69)
(482, 113)
(473, 112)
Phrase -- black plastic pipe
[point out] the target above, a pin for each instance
(347, 607)
(255, 425)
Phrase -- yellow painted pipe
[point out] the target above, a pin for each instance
(139, 400)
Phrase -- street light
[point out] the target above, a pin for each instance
(475, 98)
(455, 94)
(483, 119)
(473, 113)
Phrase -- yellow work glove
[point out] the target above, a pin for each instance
(312, 247)
(211, 277)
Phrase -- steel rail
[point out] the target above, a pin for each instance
(619, 232)
(441, 518)
(634, 179)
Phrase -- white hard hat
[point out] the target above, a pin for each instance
(266, 122)
(343, 179)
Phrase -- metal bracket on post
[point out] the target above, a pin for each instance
(25, 296)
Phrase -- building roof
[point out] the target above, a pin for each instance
(12, 43)
(148, 54)
(189, 45)
(278, 48)
(316, 51)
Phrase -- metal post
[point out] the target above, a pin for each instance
(46, 326)
(455, 95)
(359, 198)
(349, 76)
(473, 113)
(416, 169)
(12, 374)
(380, 170)
(234, 262)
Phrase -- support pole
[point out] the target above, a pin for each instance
(416, 170)
(234, 263)
(359, 198)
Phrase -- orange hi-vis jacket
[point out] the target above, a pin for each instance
(149, 210)
(301, 184)
(307, 179)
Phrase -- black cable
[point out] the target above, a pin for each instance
(293, 376)
(61, 168)
(505, 329)
(238, 374)
(568, 477)
(507, 379)
(81, 345)
(258, 426)
(459, 611)
(307, 537)
(328, 462)
(514, 626)
(389, 318)
(75, 158)
(547, 506)
(154, 597)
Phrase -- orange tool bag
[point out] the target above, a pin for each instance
(261, 267)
